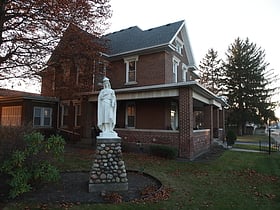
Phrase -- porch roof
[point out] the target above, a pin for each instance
(164, 91)
(38, 98)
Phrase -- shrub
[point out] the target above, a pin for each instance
(12, 138)
(231, 137)
(163, 151)
(32, 163)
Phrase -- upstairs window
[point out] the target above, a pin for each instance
(42, 116)
(176, 62)
(66, 71)
(131, 67)
(179, 45)
(184, 72)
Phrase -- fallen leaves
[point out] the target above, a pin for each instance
(255, 177)
(113, 197)
(150, 195)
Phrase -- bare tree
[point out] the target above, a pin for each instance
(31, 29)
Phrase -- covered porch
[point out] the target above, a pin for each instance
(182, 115)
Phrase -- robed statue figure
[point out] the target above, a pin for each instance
(107, 107)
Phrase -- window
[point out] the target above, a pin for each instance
(130, 65)
(176, 63)
(77, 108)
(42, 116)
(130, 115)
(11, 116)
(179, 45)
(184, 72)
(66, 70)
(198, 120)
(174, 116)
(63, 113)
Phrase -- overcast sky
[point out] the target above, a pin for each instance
(210, 23)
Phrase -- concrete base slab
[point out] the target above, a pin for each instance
(107, 187)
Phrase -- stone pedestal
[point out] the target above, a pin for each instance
(108, 171)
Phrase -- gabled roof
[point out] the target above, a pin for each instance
(135, 39)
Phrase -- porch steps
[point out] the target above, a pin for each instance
(220, 143)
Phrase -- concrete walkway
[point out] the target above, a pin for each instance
(224, 144)
(247, 150)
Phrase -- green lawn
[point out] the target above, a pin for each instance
(252, 138)
(236, 180)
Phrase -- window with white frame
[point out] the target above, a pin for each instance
(184, 72)
(131, 67)
(11, 116)
(176, 62)
(179, 45)
(174, 116)
(42, 117)
(130, 115)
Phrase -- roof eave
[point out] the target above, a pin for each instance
(140, 51)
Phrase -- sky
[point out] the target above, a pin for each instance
(210, 23)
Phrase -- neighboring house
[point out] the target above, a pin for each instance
(18, 108)
(154, 76)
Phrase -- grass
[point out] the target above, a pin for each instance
(246, 146)
(252, 138)
(236, 180)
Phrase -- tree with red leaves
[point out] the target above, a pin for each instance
(31, 29)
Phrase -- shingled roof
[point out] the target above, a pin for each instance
(8, 92)
(134, 39)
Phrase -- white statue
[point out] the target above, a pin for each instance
(107, 107)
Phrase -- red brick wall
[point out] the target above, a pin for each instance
(170, 138)
(150, 70)
(47, 80)
(200, 143)
(150, 115)
(185, 122)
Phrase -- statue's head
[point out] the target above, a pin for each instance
(106, 82)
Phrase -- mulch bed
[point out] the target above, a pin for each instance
(73, 188)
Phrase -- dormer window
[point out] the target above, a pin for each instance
(179, 45)
(131, 67)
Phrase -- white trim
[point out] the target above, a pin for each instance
(179, 45)
(127, 61)
(42, 116)
(184, 72)
(175, 67)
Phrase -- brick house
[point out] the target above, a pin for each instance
(154, 76)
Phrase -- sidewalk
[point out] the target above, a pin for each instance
(247, 150)
(224, 144)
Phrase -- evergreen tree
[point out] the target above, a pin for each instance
(211, 72)
(247, 86)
